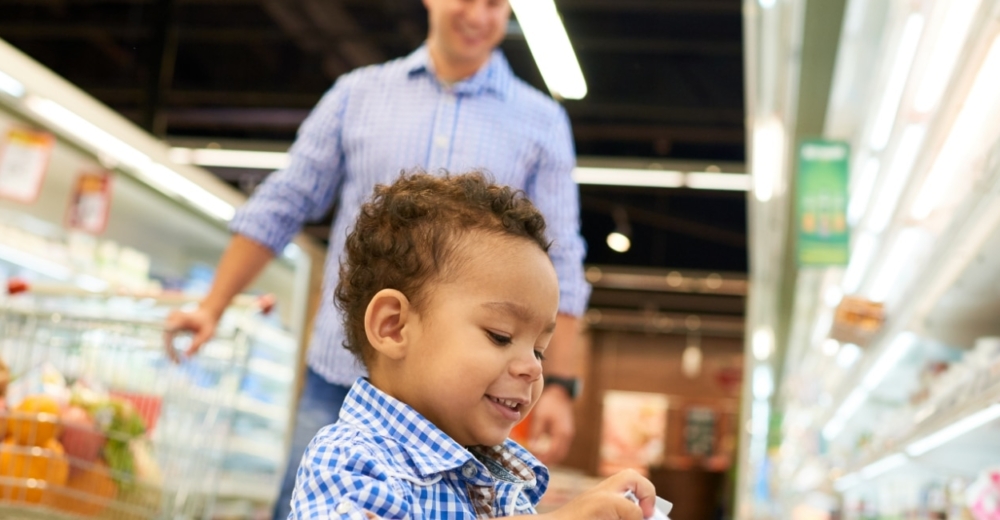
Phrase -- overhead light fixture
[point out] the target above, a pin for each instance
(906, 49)
(768, 157)
(717, 181)
(629, 177)
(954, 30)
(763, 383)
(861, 258)
(831, 347)
(230, 158)
(618, 240)
(762, 343)
(896, 263)
(11, 86)
(896, 350)
(850, 405)
(954, 430)
(550, 46)
(848, 355)
(883, 466)
(156, 175)
(895, 181)
(862, 193)
(976, 111)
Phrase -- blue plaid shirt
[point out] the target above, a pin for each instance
(384, 457)
(382, 119)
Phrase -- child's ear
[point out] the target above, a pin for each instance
(384, 321)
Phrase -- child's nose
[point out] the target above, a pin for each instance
(527, 366)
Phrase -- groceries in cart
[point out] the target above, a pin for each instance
(75, 448)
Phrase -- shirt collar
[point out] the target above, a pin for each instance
(494, 77)
(431, 450)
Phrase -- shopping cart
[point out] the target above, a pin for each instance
(98, 422)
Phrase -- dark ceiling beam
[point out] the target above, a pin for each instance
(664, 6)
(667, 223)
(693, 134)
(611, 111)
(658, 46)
(226, 98)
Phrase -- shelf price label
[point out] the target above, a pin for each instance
(90, 202)
(821, 203)
(24, 159)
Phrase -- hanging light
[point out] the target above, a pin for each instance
(618, 240)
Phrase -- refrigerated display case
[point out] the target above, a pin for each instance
(165, 229)
(901, 420)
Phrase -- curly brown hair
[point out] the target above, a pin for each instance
(406, 234)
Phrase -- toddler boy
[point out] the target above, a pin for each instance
(449, 299)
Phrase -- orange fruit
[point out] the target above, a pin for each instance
(27, 472)
(35, 421)
(88, 491)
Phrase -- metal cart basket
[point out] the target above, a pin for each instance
(98, 421)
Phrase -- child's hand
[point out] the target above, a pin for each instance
(607, 501)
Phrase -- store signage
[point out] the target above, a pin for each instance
(24, 158)
(821, 203)
(90, 202)
(857, 320)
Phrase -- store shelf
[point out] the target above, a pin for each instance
(966, 426)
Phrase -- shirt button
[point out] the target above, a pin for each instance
(469, 470)
(343, 508)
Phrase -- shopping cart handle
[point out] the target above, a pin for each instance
(17, 286)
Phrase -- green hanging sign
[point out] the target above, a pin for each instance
(821, 203)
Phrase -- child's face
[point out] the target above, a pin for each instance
(473, 367)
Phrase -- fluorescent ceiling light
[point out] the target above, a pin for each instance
(895, 181)
(550, 46)
(862, 192)
(169, 181)
(953, 431)
(768, 157)
(629, 177)
(861, 258)
(975, 113)
(906, 49)
(763, 382)
(883, 465)
(230, 158)
(953, 32)
(831, 347)
(900, 345)
(87, 132)
(154, 174)
(848, 355)
(763, 343)
(895, 264)
(11, 86)
(850, 405)
(717, 181)
(618, 242)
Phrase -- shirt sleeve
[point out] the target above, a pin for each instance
(557, 196)
(343, 482)
(304, 190)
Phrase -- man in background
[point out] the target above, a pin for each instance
(452, 104)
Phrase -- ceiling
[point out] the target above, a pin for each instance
(665, 80)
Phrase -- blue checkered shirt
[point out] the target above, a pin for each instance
(384, 457)
(379, 120)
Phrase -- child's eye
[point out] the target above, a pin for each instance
(499, 339)
(540, 355)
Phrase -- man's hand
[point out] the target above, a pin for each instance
(551, 430)
(200, 322)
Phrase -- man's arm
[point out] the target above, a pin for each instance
(243, 260)
(274, 214)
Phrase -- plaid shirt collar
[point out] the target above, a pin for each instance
(494, 77)
(431, 450)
